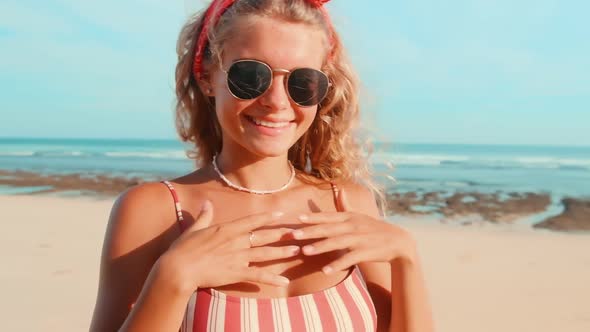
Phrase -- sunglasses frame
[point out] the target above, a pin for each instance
(273, 71)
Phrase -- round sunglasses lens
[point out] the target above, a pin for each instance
(307, 87)
(248, 79)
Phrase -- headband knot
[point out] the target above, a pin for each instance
(317, 3)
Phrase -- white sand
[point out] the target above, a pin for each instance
(480, 278)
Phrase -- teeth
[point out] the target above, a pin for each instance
(269, 124)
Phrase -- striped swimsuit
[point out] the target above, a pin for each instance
(344, 307)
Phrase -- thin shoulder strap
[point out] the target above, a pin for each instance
(177, 207)
(335, 191)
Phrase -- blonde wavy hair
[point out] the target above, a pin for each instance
(330, 149)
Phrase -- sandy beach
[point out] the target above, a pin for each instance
(481, 278)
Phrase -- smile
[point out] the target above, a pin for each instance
(268, 124)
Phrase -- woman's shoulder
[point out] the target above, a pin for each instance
(156, 197)
(145, 198)
(358, 197)
(354, 189)
(143, 214)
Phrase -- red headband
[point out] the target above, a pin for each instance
(210, 20)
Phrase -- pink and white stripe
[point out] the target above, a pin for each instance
(344, 307)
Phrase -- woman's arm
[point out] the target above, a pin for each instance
(410, 310)
(398, 288)
(404, 287)
(140, 228)
(160, 306)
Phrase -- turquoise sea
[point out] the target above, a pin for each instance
(559, 170)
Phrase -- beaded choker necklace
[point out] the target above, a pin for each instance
(252, 191)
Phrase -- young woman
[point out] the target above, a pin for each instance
(277, 230)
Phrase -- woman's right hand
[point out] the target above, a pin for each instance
(207, 256)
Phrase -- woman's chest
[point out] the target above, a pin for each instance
(303, 271)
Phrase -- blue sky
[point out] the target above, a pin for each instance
(479, 71)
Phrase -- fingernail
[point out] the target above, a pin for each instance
(298, 234)
(277, 214)
(294, 249)
(304, 217)
(283, 281)
(206, 205)
(308, 249)
(327, 269)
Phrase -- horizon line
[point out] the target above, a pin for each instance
(380, 142)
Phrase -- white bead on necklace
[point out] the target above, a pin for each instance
(252, 191)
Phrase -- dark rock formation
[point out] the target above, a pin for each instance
(491, 206)
(575, 217)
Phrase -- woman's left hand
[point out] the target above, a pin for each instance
(366, 238)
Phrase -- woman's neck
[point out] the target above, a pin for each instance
(254, 172)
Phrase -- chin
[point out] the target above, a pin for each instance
(275, 149)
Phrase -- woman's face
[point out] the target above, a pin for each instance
(281, 45)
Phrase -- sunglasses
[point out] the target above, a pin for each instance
(249, 79)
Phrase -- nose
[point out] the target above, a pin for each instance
(276, 97)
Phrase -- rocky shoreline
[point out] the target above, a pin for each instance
(575, 217)
(94, 184)
(495, 207)
(498, 207)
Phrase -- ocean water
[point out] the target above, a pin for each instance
(558, 170)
